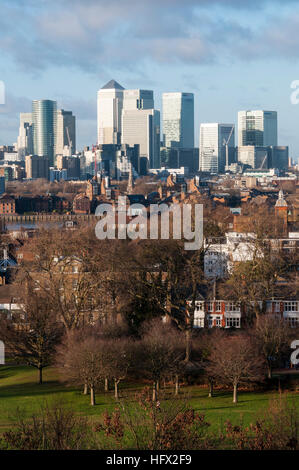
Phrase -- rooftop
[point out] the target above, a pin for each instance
(113, 85)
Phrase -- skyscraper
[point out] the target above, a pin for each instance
(178, 120)
(109, 108)
(142, 126)
(44, 114)
(212, 146)
(65, 133)
(257, 128)
(25, 138)
(138, 99)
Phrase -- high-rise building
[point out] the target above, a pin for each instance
(178, 120)
(65, 133)
(138, 99)
(25, 138)
(257, 128)
(212, 146)
(255, 157)
(36, 167)
(142, 127)
(109, 109)
(279, 157)
(44, 114)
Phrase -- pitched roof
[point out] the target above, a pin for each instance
(113, 85)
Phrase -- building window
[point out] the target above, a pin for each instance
(232, 307)
(233, 322)
(218, 322)
(210, 307)
(293, 322)
(291, 306)
(276, 306)
(198, 323)
(217, 306)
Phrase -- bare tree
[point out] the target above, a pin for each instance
(82, 361)
(33, 334)
(118, 360)
(273, 337)
(234, 361)
(157, 353)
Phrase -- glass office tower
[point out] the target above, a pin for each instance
(178, 120)
(44, 116)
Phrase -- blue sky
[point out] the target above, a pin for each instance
(231, 54)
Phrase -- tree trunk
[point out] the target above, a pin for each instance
(116, 389)
(158, 385)
(154, 391)
(188, 345)
(177, 385)
(211, 389)
(85, 390)
(235, 398)
(269, 371)
(106, 385)
(92, 396)
(40, 375)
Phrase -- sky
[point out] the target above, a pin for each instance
(232, 54)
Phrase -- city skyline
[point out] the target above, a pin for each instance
(223, 55)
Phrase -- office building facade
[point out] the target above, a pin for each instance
(44, 117)
(65, 133)
(25, 137)
(138, 99)
(36, 167)
(109, 111)
(258, 128)
(178, 120)
(142, 127)
(212, 147)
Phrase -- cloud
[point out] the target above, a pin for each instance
(96, 35)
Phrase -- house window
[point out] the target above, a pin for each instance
(291, 306)
(217, 306)
(233, 322)
(276, 306)
(232, 307)
(198, 323)
(218, 321)
(293, 322)
(210, 307)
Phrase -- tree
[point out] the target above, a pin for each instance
(118, 359)
(273, 337)
(82, 359)
(234, 361)
(163, 276)
(33, 334)
(59, 272)
(204, 346)
(158, 352)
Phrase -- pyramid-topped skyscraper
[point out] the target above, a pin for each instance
(112, 84)
(109, 107)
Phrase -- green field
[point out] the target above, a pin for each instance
(19, 389)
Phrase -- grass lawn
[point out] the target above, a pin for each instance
(19, 389)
